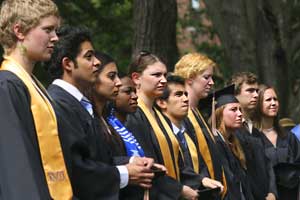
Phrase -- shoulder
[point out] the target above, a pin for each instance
(13, 88)
(10, 80)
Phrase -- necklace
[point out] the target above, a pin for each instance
(268, 129)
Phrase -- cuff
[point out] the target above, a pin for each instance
(124, 177)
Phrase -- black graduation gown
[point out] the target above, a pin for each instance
(187, 174)
(88, 158)
(117, 145)
(187, 159)
(215, 154)
(259, 168)
(21, 171)
(164, 187)
(287, 150)
(236, 176)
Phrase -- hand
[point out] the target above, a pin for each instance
(140, 175)
(270, 196)
(189, 193)
(143, 161)
(161, 167)
(210, 183)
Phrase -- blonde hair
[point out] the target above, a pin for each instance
(27, 13)
(192, 64)
(230, 140)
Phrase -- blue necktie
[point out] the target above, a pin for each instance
(181, 137)
(87, 105)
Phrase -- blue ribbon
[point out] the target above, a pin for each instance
(296, 131)
(132, 146)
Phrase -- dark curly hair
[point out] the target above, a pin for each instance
(70, 40)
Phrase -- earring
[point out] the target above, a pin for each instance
(22, 49)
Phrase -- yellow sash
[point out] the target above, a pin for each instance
(173, 171)
(193, 152)
(203, 147)
(47, 134)
(202, 144)
(174, 141)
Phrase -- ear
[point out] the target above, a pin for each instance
(136, 78)
(189, 81)
(162, 104)
(18, 32)
(67, 64)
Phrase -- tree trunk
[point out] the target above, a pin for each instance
(256, 36)
(155, 29)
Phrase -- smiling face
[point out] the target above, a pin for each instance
(108, 82)
(152, 80)
(201, 84)
(126, 100)
(232, 116)
(270, 104)
(40, 40)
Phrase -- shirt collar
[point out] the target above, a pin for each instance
(176, 130)
(71, 89)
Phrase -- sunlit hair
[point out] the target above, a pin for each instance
(230, 139)
(141, 61)
(192, 64)
(242, 77)
(258, 115)
(26, 13)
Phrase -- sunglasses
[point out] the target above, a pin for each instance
(141, 55)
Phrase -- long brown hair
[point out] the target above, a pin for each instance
(258, 115)
(230, 139)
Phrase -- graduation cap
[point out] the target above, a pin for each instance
(217, 99)
(209, 193)
(288, 174)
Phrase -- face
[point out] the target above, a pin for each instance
(270, 103)
(177, 105)
(85, 66)
(232, 116)
(248, 96)
(126, 100)
(152, 80)
(108, 82)
(39, 41)
(202, 83)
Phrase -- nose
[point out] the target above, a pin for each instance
(163, 79)
(239, 113)
(185, 98)
(273, 102)
(133, 95)
(211, 81)
(255, 94)
(54, 37)
(96, 62)
(118, 82)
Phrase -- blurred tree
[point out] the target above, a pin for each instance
(155, 29)
(262, 36)
(110, 22)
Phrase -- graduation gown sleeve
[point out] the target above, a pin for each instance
(21, 171)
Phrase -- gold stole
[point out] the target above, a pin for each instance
(47, 134)
(173, 169)
(203, 147)
(193, 151)
(202, 144)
